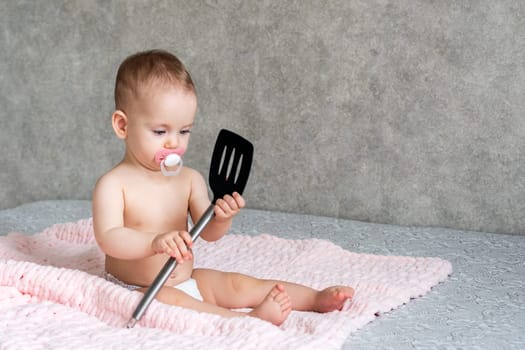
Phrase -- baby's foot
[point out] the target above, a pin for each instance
(332, 298)
(275, 307)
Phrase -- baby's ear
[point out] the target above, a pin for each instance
(119, 120)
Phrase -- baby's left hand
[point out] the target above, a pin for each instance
(228, 206)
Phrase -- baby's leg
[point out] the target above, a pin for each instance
(274, 308)
(308, 299)
(234, 290)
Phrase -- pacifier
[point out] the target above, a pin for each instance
(169, 159)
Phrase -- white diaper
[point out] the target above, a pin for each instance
(189, 286)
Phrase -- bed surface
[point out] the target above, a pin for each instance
(480, 306)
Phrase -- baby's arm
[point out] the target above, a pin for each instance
(121, 242)
(225, 209)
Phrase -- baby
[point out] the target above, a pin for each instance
(140, 216)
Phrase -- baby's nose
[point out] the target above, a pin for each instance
(172, 141)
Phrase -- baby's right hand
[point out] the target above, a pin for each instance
(176, 244)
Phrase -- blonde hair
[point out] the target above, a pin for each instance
(143, 69)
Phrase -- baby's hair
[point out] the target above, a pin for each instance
(140, 71)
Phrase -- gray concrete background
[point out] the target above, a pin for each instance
(406, 112)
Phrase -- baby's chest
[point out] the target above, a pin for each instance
(155, 208)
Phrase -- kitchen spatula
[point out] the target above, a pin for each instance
(229, 170)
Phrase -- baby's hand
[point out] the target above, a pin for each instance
(228, 206)
(176, 244)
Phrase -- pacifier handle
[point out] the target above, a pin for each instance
(171, 160)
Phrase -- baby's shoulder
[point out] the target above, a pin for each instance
(112, 178)
(193, 175)
(190, 172)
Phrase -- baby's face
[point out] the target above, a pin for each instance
(162, 119)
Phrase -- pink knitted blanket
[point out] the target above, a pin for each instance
(52, 295)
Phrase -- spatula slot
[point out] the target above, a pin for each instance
(221, 163)
(231, 162)
(238, 168)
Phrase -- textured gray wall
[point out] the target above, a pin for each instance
(407, 112)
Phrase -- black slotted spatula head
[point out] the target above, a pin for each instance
(231, 162)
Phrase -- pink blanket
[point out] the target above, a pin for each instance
(52, 295)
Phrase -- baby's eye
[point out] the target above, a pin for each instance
(159, 132)
(185, 132)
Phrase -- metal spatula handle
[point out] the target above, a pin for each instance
(168, 268)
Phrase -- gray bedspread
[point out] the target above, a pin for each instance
(481, 306)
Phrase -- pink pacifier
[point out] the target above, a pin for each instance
(169, 159)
